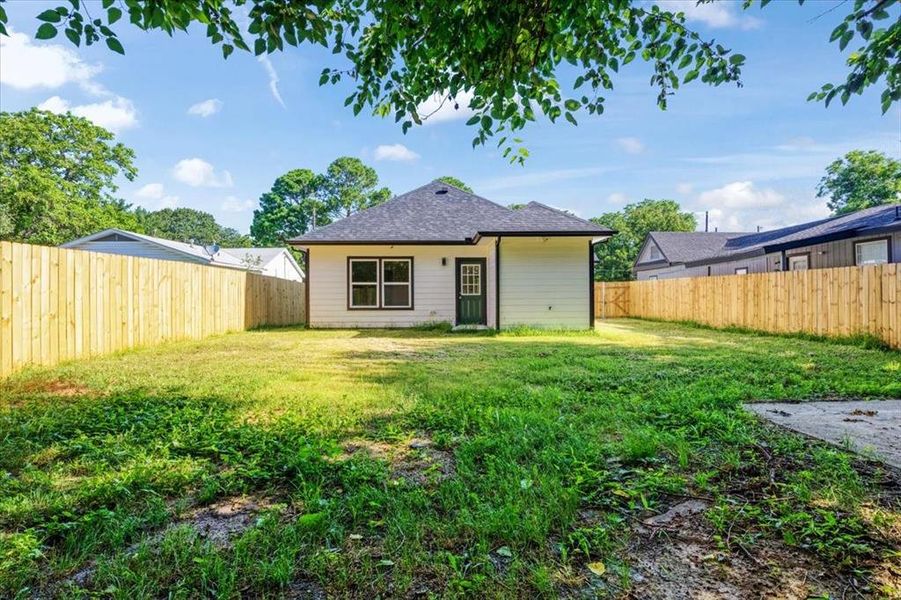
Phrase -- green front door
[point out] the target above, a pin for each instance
(471, 291)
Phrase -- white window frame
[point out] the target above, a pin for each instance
(351, 283)
(408, 283)
(652, 278)
(478, 270)
(885, 244)
(798, 258)
(741, 271)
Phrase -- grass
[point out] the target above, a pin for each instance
(101, 460)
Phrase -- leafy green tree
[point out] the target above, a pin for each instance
(614, 258)
(188, 224)
(456, 183)
(286, 210)
(349, 186)
(501, 55)
(861, 179)
(57, 178)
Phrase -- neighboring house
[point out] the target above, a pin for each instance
(439, 254)
(865, 237)
(275, 262)
(268, 261)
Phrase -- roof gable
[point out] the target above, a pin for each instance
(441, 213)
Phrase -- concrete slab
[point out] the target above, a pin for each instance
(871, 427)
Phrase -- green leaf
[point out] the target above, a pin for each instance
(691, 75)
(737, 59)
(227, 49)
(572, 105)
(487, 122)
(473, 120)
(49, 16)
(113, 15)
(115, 45)
(45, 32)
(73, 36)
(259, 46)
(569, 117)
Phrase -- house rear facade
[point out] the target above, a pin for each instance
(866, 237)
(439, 254)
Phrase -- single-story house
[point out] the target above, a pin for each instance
(866, 237)
(439, 254)
(275, 262)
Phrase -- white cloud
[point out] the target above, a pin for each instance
(235, 204)
(396, 152)
(153, 191)
(168, 202)
(197, 172)
(440, 108)
(684, 188)
(116, 114)
(25, 65)
(207, 108)
(630, 145)
(273, 78)
(538, 178)
(713, 14)
(741, 194)
(742, 206)
(617, 199)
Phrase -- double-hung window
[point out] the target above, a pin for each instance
(380, 283)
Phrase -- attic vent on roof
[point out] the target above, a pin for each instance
(441, 192)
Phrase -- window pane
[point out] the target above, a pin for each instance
(397, 295)
(364, 271)
(364, 295)
(396, 271)
(872, 253)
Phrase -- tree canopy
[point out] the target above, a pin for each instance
(861, 179)
(495, 58)
(187, 224)
(614, 258)
(455, 182)
(287, 210)
(58, 177)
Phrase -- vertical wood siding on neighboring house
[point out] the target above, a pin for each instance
(544, 282)
(822, 256)
(434, 284)
(137, 248)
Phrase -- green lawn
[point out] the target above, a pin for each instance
(535, 454)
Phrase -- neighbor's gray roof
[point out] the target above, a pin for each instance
(699, 247)
(438, 212)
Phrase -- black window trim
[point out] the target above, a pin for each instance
(888, 249)
(379, 282)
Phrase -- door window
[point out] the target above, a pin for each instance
(798, 263)
(471, 280)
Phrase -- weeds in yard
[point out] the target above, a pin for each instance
(496, 465)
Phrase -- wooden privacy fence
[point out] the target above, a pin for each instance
(58, 304)
(831, 302)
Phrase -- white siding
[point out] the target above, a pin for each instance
(282, 267)
(545, 282)
(137, 248)
(434, 285)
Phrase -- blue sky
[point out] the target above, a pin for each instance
(752, 156)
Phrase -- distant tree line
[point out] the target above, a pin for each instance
(58, 182)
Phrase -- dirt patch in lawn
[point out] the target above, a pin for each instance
(223, 520)
(417, 461)
(675, 555)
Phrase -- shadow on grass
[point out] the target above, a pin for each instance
(541, 426)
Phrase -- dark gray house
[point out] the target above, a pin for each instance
(866, 237)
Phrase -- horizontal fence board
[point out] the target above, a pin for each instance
(829, 302)
(58, 304)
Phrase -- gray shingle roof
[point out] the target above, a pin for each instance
(699, 247)
(438, 212)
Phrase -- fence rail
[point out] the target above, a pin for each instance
(831, 302)
(58, 304)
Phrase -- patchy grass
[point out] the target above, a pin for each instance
(409, 463)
